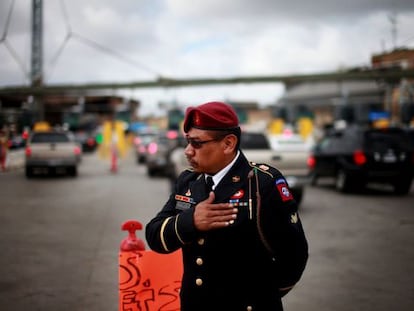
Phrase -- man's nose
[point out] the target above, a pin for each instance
(188, 150)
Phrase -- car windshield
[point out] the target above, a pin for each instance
(50, 138)
(147, 138)
(253, 141)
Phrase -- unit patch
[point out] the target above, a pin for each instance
(283, 190)
(280, 181)
(239, 194)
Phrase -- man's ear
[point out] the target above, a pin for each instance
(230, 141)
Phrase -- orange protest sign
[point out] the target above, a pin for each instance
(149, 281)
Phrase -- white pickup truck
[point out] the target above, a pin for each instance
(288, 153)
(53, 151)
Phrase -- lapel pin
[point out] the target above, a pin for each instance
(235, 178)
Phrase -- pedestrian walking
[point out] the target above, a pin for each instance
(4, 147)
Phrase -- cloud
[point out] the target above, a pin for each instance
(129, 40)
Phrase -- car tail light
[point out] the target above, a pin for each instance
(152, 148)
(172, 134)
(311, 162)
(28, 151)
(77, 150)
(359, 157)
(137, 141)
(90, 142)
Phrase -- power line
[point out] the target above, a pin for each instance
(70, 34)
(6, 28)
(59, 52)
(16, 58)
(113, 53)
(407, 40)
(65, 15)
(7, 44)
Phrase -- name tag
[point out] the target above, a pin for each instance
(183, 202)
(182, 205)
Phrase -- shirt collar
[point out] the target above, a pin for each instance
(220, 174)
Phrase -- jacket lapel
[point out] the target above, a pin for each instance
(234, 180)
(198, 189)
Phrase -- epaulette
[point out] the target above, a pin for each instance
(266, 169)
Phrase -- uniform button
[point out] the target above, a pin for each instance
(200, 241)
(249, 308)
(199, 282)
(199, 261)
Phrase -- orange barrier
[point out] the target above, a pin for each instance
(148, 281)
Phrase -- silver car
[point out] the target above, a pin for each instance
(52, 151)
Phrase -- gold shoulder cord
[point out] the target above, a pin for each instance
(252, 173)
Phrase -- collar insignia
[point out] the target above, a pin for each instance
(264, 167)
(235, 178)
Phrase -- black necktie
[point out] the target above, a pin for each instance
(209, 183)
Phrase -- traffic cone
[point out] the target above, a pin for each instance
(114, 161)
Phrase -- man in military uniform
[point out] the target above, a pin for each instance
(242, 239)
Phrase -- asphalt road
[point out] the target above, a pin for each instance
(59, 241)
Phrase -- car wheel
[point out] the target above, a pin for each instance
(73, 171)
(314, 179)
(342, 182)
(28, 172)
(402, 186)
(151, 172)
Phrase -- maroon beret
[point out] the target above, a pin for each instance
(211, 116)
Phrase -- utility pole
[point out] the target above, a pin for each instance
(393, 20)
(36, 74)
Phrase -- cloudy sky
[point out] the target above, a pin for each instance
(134, 40)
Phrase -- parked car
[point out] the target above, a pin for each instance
(357, 155)
(53, 151)
(87, 140)
(141, 143)
(290, 155)
(16, 141)
(158, 153)
(257, 148)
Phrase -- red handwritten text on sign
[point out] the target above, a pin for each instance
(149, 281)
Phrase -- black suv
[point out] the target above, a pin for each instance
(356, 156)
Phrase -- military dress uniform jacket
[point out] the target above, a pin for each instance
(230, 268)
